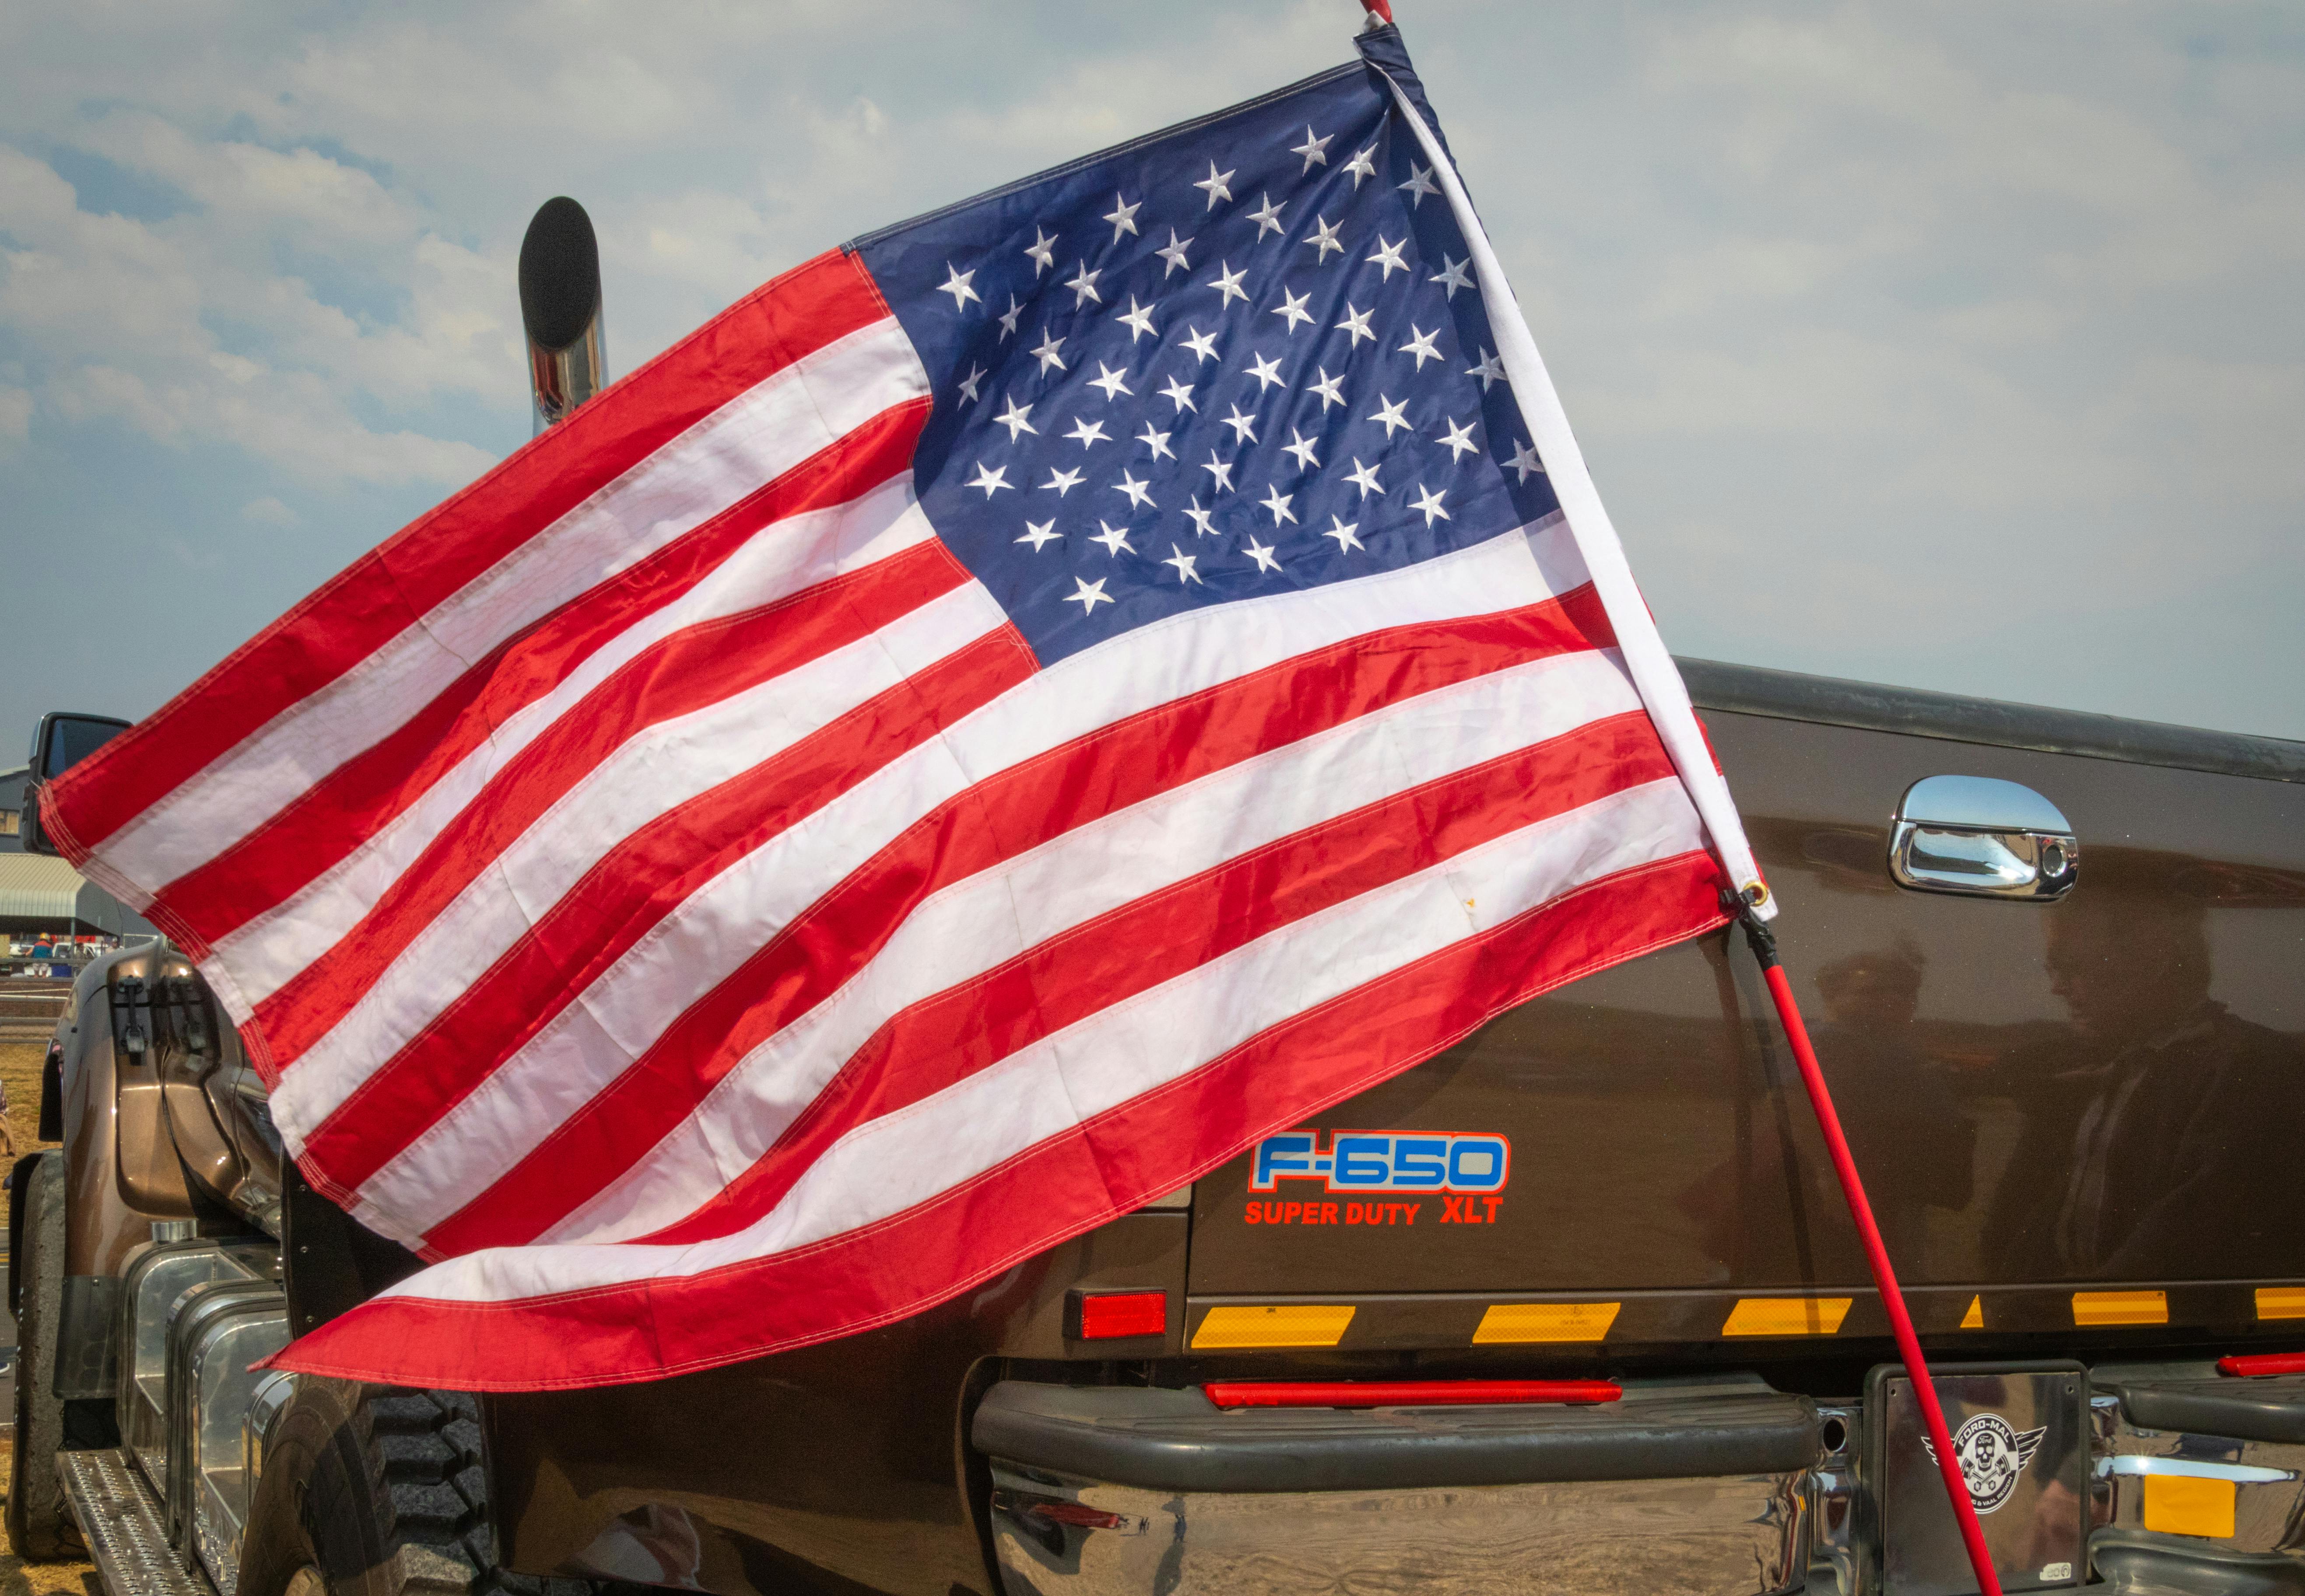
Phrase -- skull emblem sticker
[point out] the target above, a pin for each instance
(1991, 1455)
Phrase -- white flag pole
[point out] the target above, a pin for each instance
(1655, 674)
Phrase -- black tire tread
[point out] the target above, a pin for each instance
(40, 1526)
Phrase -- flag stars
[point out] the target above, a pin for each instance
(1228, 284)
(1122, 216)
(1324, 239)
(957, 285)
(1244, 427)
(1203, 345)
(1452, 275)
(991, 480)
(1361, 166)
(1261, 553)
(1201, 519)
(1315, 151)
(1364, 477)
(1344, 531)
(1180, 394)
(1088, 432)
(1213, 185)
(1009, 317)
(1041, 252)
(1302, 448)
(1458, 440)
(1267, 217)
(1356, 324)
(1064, 482)
(1158, 442)
(1045, 351)
(1267, 372)
(1489, 370)
(1140, 494)
(1328, 390)
(1277, 503)
(1114, 538)
(1389, 415)
(1041, 533)
(1524, 462)
(1173, 252)
(1114, 383)
(1219, 472)
(1184, 562)
(968, 382)
(1013, 419)
(1084, 286)
(1388, 256)
(1292, 309)
(1091, 595)
(1429, 505)
(1419, 184)
(1420, 344)
(1138, 319)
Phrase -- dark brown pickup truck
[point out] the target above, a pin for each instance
(2057, 963)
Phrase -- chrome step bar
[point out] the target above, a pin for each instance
(120, 1520)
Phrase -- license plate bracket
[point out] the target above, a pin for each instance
(2021, 1431)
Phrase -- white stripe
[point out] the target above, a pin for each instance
(742, 446)
(1646, 655)
(584, 1048)
(901, 1159)
(662, 767)
(782, 559)
(976, 925)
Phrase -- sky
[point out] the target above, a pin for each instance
(1959, 346)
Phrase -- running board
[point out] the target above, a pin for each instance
(120, 1520)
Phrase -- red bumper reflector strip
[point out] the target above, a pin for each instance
(2263, 1362)
(1117, 1314)
(1404, 1393)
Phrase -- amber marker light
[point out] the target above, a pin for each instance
(1404, 1393)
(1119, 1315)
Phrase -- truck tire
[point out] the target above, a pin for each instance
(373, 1491)
(40, 1526)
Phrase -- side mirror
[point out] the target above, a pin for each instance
(61, 741)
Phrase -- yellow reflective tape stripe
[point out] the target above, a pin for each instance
(2181, 1504)
(2281, 1301)
(1288, 1324)
(2119, 1307)
(1545, 1321)
(1786, 1316)
(1974, 1320)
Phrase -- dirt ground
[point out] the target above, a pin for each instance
(20, 1073)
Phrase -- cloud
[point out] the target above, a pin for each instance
(270, 512)
(15, 416)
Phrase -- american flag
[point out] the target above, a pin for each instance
(1011, 713)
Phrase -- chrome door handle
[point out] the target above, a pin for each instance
(1982, 837)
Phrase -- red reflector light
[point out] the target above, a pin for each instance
(2263, 1362)
(1113, 1315)
(1404, 1393)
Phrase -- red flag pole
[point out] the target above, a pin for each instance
(1876, 1254)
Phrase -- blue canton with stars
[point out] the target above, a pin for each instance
(1245, 355)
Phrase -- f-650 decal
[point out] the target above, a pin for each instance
(1384, 1160)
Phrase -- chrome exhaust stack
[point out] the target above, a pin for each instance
(560, 309)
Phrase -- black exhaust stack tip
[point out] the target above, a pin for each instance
(559, 274)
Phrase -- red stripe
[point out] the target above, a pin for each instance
(384, 592)
(1067, 1185)
(361, 797)
(633, 888)
(999, 819)
(938, 1043)
(690, 670)
(1404, 1393)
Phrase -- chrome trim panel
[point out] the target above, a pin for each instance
(1736, 1535)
